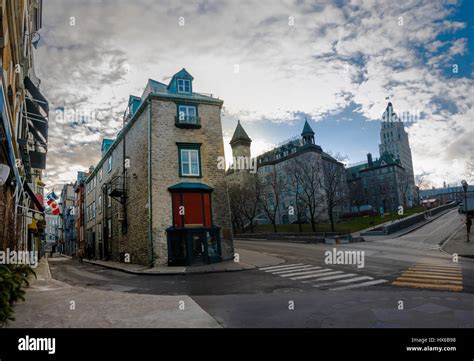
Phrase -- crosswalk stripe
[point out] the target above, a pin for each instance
(428, 285)
(350, 280)
(315, 275)
(438, 265)
(436, 269)
(288, 268)
(413, 279)
(296, 270)
(358, 285)
(303, 272)
(281, 266)
(434, 272)
(335, 277)
(426, 275)
(323, 271)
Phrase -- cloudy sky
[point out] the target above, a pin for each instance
(273, 63)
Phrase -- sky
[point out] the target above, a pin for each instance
(274, 63)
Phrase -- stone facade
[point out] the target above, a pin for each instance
(149, 141)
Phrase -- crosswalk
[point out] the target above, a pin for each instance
(435, 276)
(322, 277)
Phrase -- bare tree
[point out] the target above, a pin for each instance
(271, 189)
(357, 193)
(235, 200)
(250, 198)
(334, 184)
(305, 177)
(403, 184)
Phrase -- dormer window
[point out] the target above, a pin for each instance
(184, 86)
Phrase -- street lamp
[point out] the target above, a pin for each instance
(468, 226)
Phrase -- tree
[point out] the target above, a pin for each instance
(403, 183)
(305, 179)
(357, 193)
(334, 184)
(270, 192)
(250, 198)
(235, 200)
(421, 182)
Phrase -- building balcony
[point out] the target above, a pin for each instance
(118, 188)
(187, 122)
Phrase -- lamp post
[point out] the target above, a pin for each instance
(468, 225)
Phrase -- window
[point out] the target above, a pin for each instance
(109, 164)
(189, 160)
(109, 227)
(184, 86)
(100, 174)
(99, 231)
(187, 114)
(93, 209)
(109, 199)
(99, 205)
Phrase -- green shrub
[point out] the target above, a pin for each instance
(13, 279)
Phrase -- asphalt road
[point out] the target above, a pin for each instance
(308, 292)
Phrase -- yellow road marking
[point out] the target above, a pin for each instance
(413, 279)
(424, 275)
(428, 285)
(434, 272)
(438, 265)
(438, 268)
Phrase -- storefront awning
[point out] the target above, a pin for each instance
(36, 94)
(36, 119)
(190, 187)
(33, 197)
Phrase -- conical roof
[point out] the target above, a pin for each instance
(307, 129)
(240, 135)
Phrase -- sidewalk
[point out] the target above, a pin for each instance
(248, 260)
(457, 243)
(51, 303)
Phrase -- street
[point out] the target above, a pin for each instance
(307, 292)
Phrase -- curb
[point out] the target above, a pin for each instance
(167, 273)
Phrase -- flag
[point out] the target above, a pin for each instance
(52, 196)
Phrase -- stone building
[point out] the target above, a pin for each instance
(279, 163)
(157, 196)
(67, 220)
(23, 128)
(79, 213)
(388, 182)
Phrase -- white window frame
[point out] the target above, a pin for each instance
(100, 174)
(184, 115)
(99, 205)
(190, 174)
(109, 164)
(181, 85)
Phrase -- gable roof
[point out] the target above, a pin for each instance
(182, 74)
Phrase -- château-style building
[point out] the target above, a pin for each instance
(386, 182)
(279, 161)
(157, 196)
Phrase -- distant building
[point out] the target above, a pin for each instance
(67, 229)
(157, 196)
(380, 184)
(79, 213)
(51, 229)
(445, 194)
(388, 182)
(278, 162)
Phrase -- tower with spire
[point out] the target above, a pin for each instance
(240, 142)
(307, 134)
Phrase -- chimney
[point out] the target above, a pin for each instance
(91, 169)
(369, 160)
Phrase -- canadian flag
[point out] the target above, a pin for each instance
(55, 208)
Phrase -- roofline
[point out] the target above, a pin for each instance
(135, 116)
